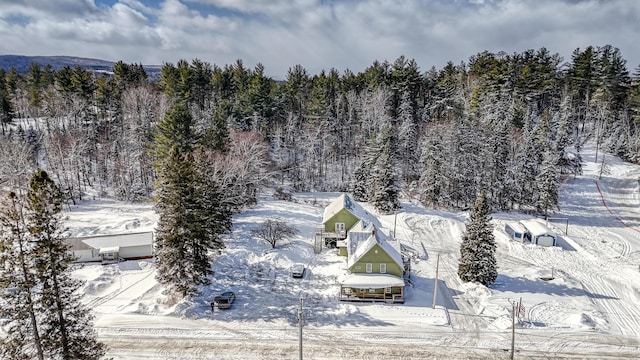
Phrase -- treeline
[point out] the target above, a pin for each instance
(508, 125)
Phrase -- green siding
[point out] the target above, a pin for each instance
(342, 251)
(381, 257)
(342, 216)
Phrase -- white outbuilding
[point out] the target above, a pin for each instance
(108, 248)
(538, 233)
(515, 231)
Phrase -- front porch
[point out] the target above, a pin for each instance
(372, 288)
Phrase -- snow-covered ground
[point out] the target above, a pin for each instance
(589, 309)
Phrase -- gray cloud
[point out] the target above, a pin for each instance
(315, 33)
(57, 8)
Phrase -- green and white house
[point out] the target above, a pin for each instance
(376, 268)
(338, 219)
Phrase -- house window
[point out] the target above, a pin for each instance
(95, 253)
(383, 268)
(369, 267)
(340, 227)
(387, 290)
(372, 291)
(358, 267)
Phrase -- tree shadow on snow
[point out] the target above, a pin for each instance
(420, 293)
(522, 285)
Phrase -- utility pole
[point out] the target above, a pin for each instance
(435, 286)
(395, 219)
(300, 323)
(513, 328)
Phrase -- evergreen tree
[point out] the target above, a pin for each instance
(432, 180)
(407, 136)
(191, 219)
(6, 107)
(498, 152)
(361, 188)
(18, 304)
(175, 129)
(527, 162)
(478, 247)
(176, 81)
(39, 295)
(65, 320)
(384, 190)
(547, 182)
(34, 81)
(216, 135)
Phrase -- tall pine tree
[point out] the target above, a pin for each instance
(65, 320)
(19, 306)
(547, 182)
(39, 295)
(384, 190)
(175, 129)
(478, 247)
(190, 223)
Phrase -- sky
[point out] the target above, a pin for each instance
(317, 34)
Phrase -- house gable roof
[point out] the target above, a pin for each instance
(346, 202)
(358, 249)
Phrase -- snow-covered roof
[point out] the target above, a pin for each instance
(76, 244)
(345, 201)
(359, 233)
(360, 248)
(536, 228)
(119, 240)
(372, 281)
(516, 227)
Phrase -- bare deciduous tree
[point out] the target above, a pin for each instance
(274, 231)
(243, 170)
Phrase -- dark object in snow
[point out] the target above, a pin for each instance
(224, 300)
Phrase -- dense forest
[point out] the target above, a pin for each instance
(508, 125)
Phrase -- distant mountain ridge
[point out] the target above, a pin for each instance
(21, 63)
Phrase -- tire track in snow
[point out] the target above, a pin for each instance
(112, 295)
(429, 229)
(599, 275)
(596, 280)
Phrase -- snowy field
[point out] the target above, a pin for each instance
(587, 306)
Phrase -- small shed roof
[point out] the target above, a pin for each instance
(537, 228)
(516, 226)
(372, 281)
